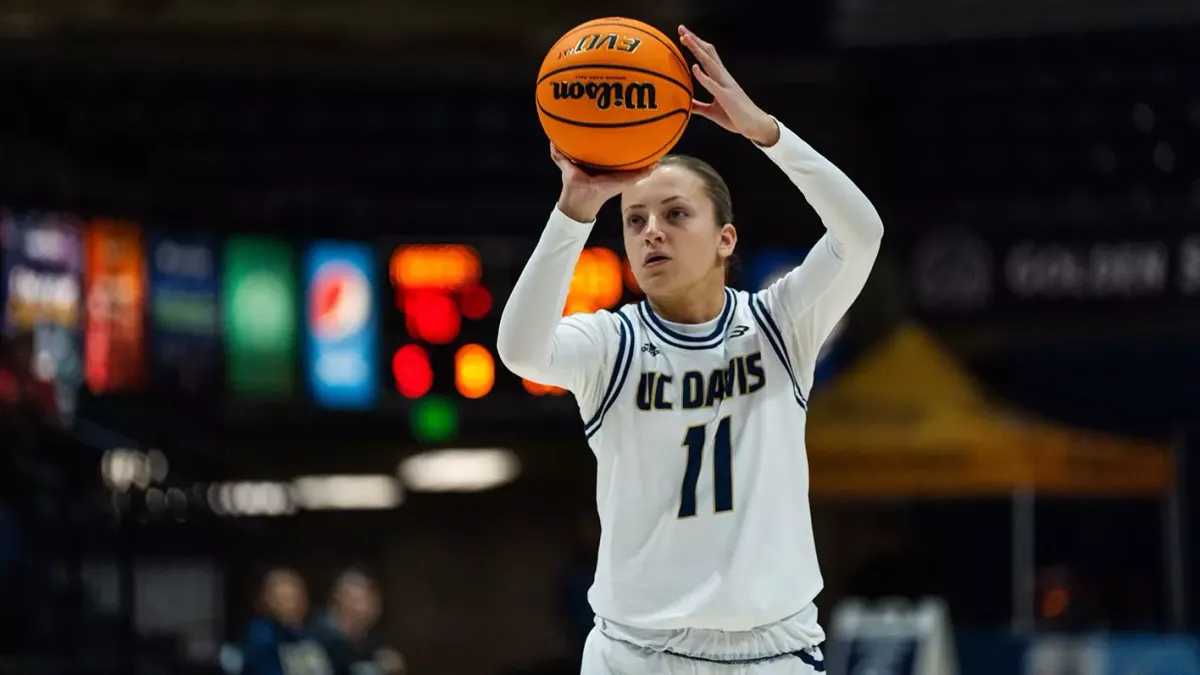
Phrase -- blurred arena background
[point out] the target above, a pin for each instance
(253, 259)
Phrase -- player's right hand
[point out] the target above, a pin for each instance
(583, 193)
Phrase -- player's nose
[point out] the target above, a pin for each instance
(652, 231)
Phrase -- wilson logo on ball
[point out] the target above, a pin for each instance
(628, 95)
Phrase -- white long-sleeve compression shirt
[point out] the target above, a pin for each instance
(536, 342)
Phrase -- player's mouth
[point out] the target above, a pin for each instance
(653, 259)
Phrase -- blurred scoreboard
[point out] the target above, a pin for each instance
(394, 327)
(441, 313)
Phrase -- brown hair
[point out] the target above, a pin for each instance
(718, 195)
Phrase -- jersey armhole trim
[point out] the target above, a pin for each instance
(762, 316)
(620, 373)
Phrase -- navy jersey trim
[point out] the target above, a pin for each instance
(775, 336)
(620, 373)
(805, 657)
(660, 330)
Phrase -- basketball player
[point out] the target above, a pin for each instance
(694, 401)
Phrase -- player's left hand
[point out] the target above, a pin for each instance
(730, 108)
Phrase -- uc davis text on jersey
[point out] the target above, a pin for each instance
(743, 376)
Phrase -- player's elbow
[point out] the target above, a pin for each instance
(508, 348)
(869, 233)
(519, 354)
(517, 361)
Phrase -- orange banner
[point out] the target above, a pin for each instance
(115, 291)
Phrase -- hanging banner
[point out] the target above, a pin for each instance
(259, 292)
(42, 301)
(184, 317)
(115, 292)
(960, 272)
(342, 325)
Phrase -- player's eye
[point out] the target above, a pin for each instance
(635, 221)
(677, 214)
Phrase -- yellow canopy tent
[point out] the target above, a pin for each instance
(909, 421)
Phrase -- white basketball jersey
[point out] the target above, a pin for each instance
(702, 477)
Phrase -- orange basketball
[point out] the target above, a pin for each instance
(614, 94)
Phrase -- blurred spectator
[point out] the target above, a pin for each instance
(345, 629)
(278, 642)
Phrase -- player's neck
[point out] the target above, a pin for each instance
(691, 308)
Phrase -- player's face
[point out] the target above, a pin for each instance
(671, 236)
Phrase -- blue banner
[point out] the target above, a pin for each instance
(769, 265)
(1113, 654)
(342, 325)
(42, 272)
(184, 314)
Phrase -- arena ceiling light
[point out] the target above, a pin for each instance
(347, 493)
(123, 469)
(371, 492)
(250, 498)
(459, 470)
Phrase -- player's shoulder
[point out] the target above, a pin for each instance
(759, 303)
(747, 303)
(742, 296)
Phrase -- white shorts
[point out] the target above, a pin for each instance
(789, 647)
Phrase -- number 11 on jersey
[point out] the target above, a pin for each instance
(722, 458)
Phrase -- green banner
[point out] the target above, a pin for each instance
(260, 307)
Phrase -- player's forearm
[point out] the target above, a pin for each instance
(534, 309)
(846, 212)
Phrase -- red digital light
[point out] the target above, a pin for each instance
(596, 282)
(476, 302)
(474, 371)
(414, 375)
(442, 267)
(432, 316)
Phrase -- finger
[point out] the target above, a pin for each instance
(712, 67)
(711, 113)
(707, 47)
(691, 42)
(707, 82)
(561, 160)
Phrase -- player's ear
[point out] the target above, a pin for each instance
(728, 240)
